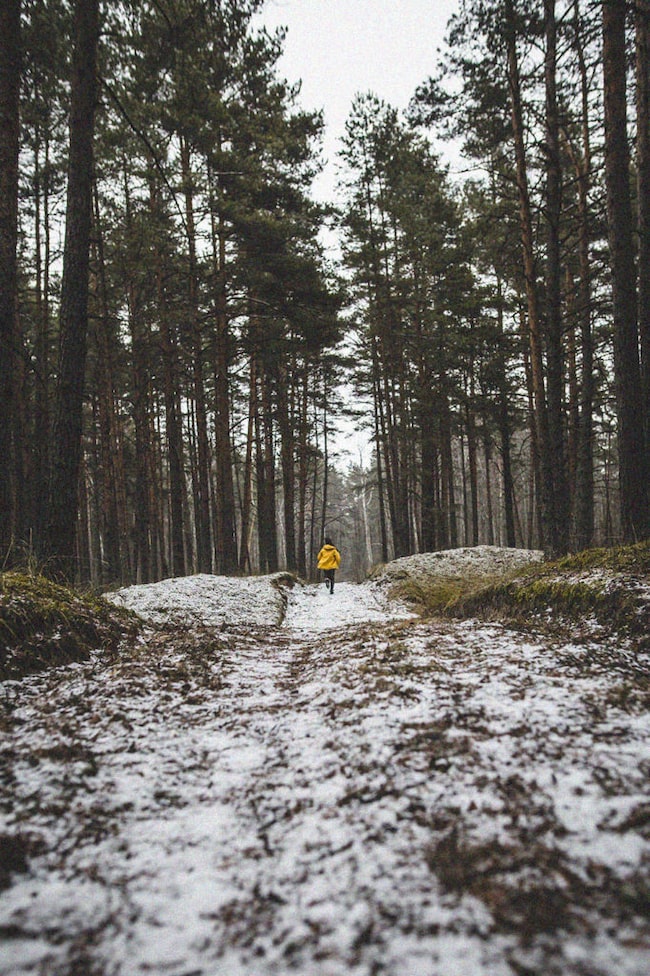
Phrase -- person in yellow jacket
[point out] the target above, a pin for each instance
(329, 560)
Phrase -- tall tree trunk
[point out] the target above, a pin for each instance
(246, 507)
(226, 520)
(428, 457)
(551, 541)
(487, 454)
(141, 399)
(171, 395)
(554, 324)
(463, 472)
(41, 451)
(643, 193)
(287, 454)
(573, 398)
(535, 529)
(64, 480)
(173, 428)
(473, 471)
(448, 520)
(202, 489)
(303, 473)
(83, 529)
(265, 470)
(10, 67)
(140, 378)
(22, 459)
(633, 469)
(380, 471)
(504, 424)
(326, 462)
(154, 486)
(105, 420)
(112, 501)
(584, 488)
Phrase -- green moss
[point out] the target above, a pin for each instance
(619, 559)
(43, 624)
(440, 593)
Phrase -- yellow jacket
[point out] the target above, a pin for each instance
(329, 558)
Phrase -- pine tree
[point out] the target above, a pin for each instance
(63, 491)
(10, 68)
(633, 468)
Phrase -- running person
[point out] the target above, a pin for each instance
(329, 560)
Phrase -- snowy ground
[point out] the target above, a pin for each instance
(465, 562)
(352, 793)
(208, 601)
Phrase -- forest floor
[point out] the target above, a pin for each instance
(354, 791)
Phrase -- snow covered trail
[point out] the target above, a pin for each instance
(347, 795)
(314, 609)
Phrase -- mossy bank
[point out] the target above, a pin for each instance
(608, 587)
(43, 624)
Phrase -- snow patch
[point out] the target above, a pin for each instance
(207, 601)
(467, 561)
(281, 801)
(314, 608)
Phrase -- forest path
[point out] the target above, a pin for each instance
(330, 798)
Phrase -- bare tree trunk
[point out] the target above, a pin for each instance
(551, 542)
(505, 432)
(171, 396)
(10, 67)
(379, 446)
(487, 454)
(428, 457)
(573, 395)
(584, 488)
(380, 478)
(643, 193)
(554, 323)
(265, 470)
(112, 502)
(627, 372)
(111, 569)
(202, 489)
(226, 528)
(473, 475)
(448, 521)
(41, 346)
(64, 481)
(140, 374)
(303, 474)
(83, 530)
(326, 462)
(287, 453)
(534, 529)
(463, 474)
(246, 508)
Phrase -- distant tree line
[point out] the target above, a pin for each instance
(173, 340)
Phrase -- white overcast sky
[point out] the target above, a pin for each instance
(340, 47)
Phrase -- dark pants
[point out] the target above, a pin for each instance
(329, 579)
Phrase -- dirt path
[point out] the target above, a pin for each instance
(392, 798)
